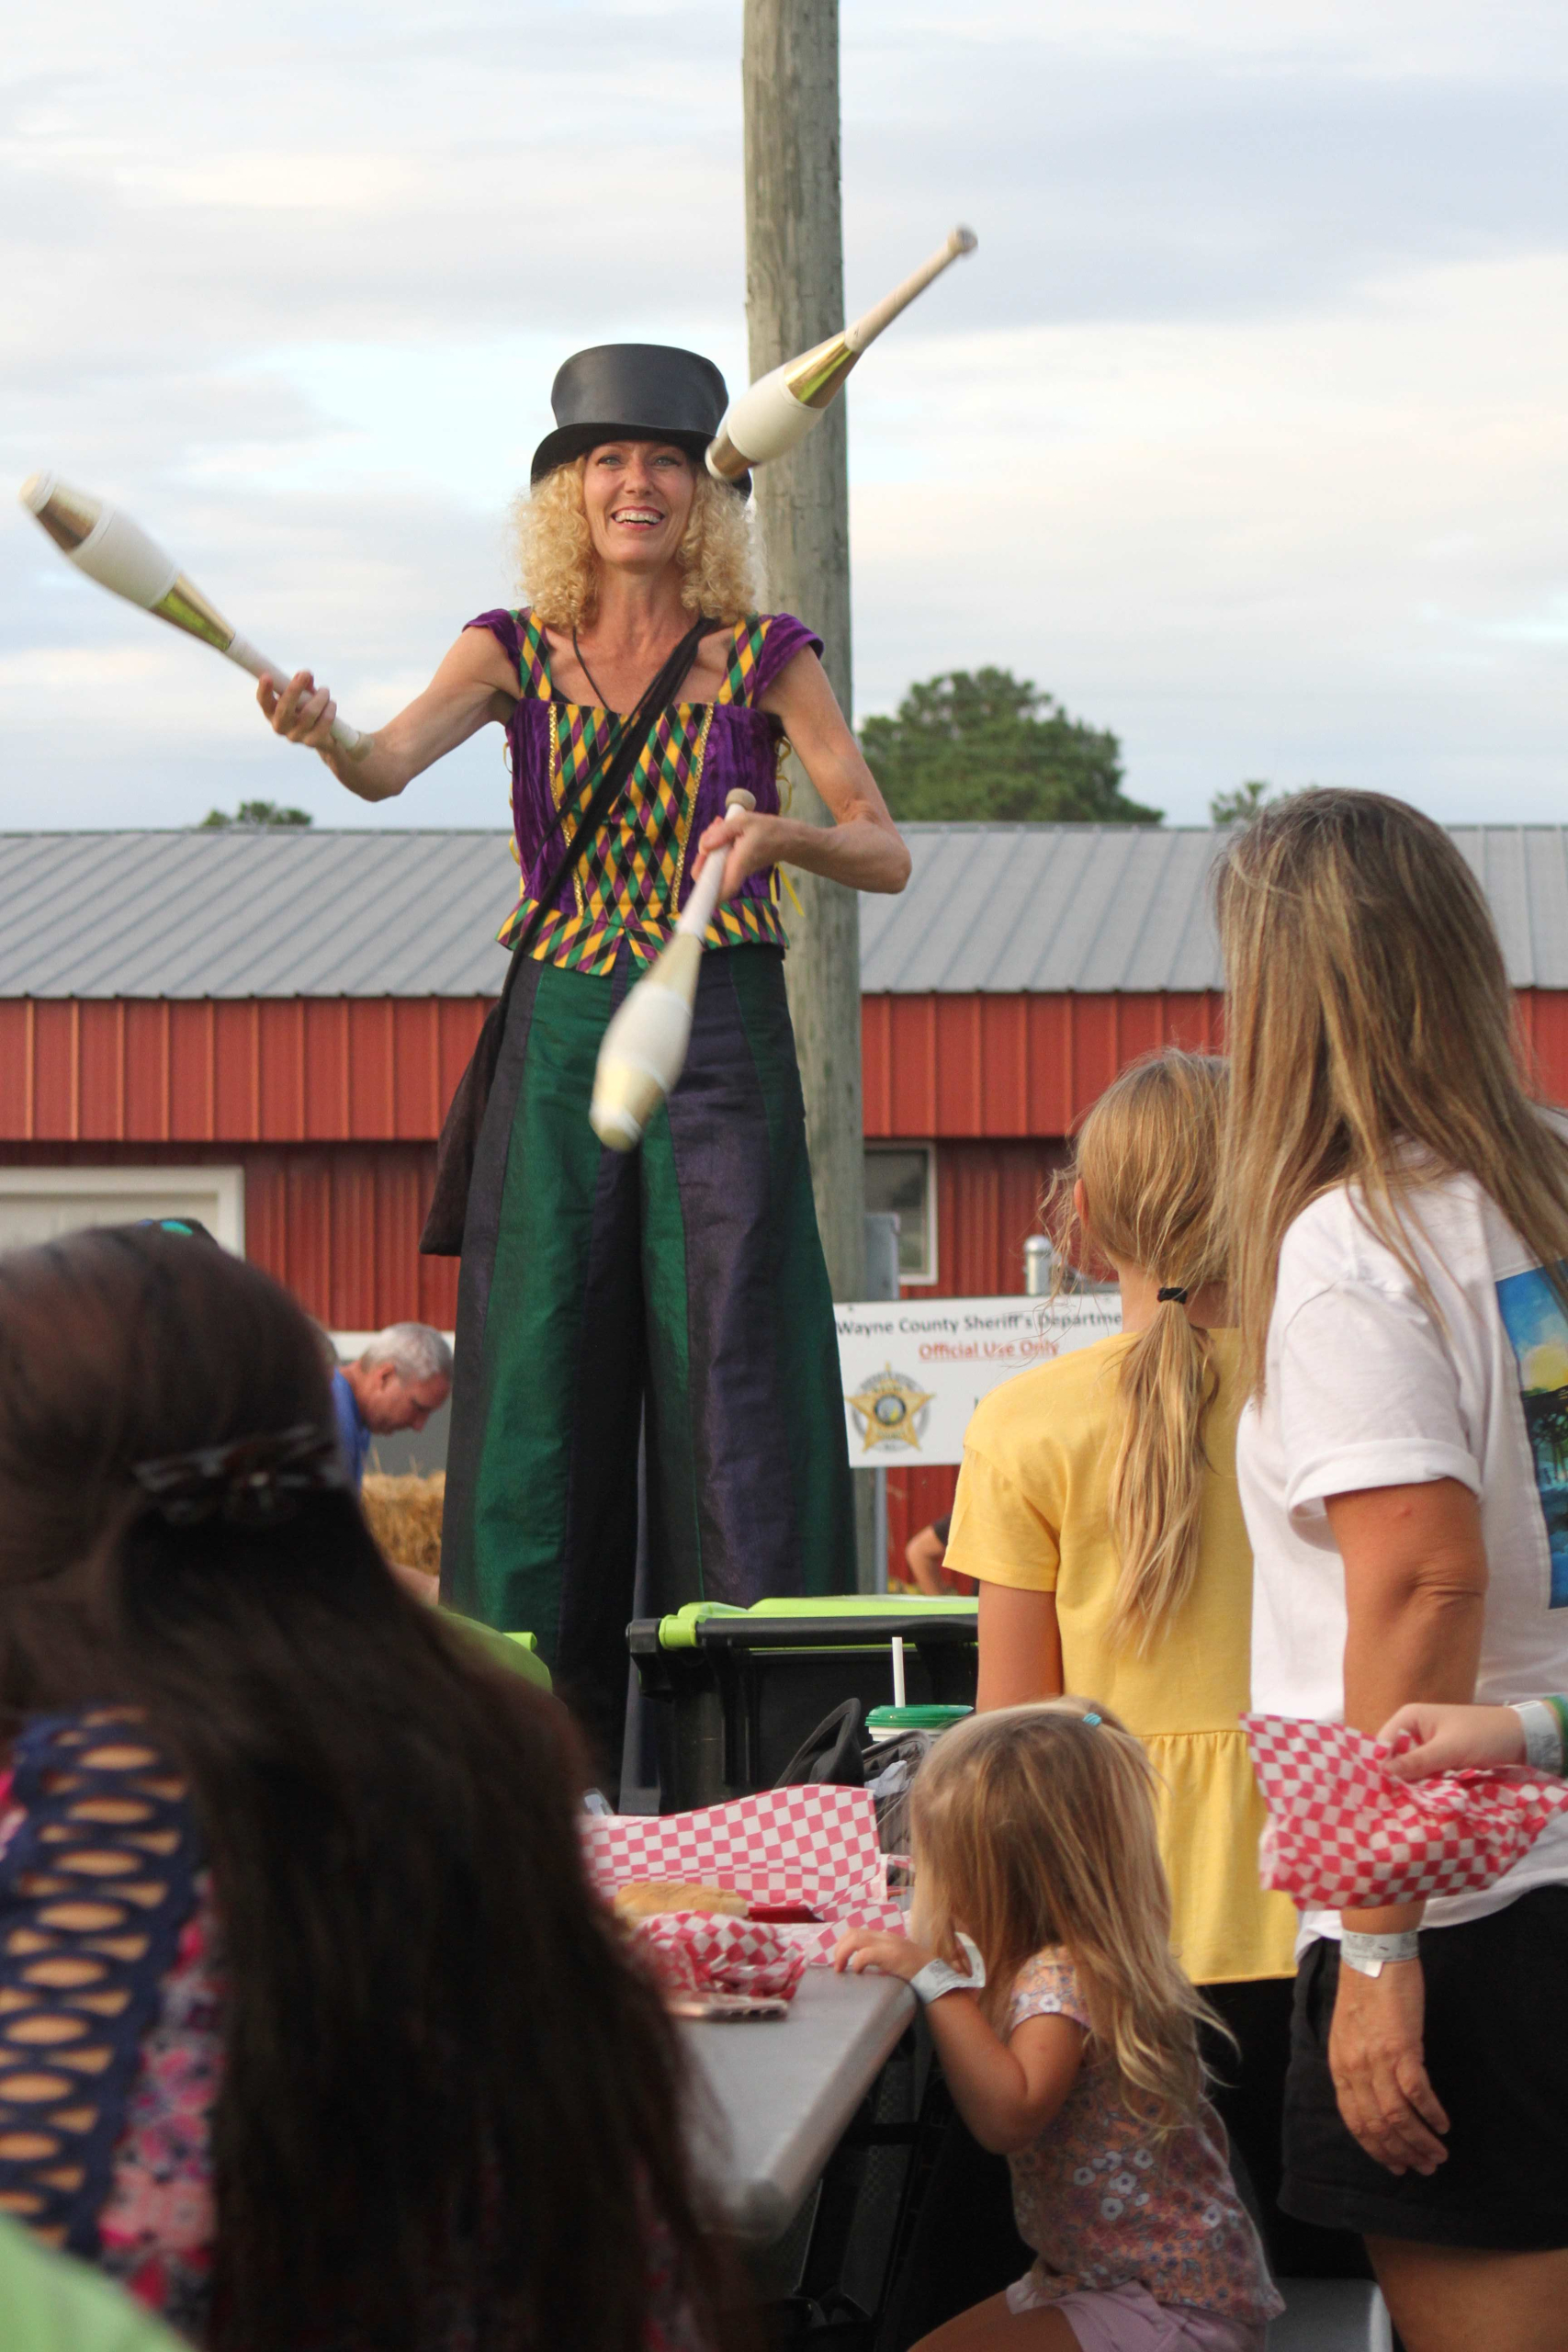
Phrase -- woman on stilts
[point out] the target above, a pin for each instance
(680, 1289)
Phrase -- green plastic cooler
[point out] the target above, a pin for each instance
(734, 1692)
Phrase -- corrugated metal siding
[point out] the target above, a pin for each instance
(280, 1070)
(1005, 908)
(279, 912)
(363, 1069)
(935, 1066)
(1543, 1026)
(990, 910)
(988, 1199)
(338, 1223)
(1523, 869)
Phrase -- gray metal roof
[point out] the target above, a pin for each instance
(1019, 908)
(278, 912)
(413, 912)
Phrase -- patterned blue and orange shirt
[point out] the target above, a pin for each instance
(628, 887)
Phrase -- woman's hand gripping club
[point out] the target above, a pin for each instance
(643, 1050)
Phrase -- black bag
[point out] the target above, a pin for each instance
(832, 1753)
(455, 1154)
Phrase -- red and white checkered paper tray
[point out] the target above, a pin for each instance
(813, 1844)
(695, 1952)
(1345, 1833)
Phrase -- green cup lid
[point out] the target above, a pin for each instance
(916, 1718)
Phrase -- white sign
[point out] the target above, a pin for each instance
(913, 1370)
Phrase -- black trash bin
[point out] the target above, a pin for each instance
(733, 1693)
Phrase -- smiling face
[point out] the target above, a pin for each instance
(638, 497)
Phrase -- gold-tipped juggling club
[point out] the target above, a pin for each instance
(109, 548)
(643, 1051)
(780, 409)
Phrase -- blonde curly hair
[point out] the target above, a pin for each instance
(558, 576)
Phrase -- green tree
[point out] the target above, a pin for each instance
(983, 743)
(255, 816)
(1236, 807)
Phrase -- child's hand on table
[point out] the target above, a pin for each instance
(861, 1948)
(1007, 2090)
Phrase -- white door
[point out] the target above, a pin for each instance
(39, 1203)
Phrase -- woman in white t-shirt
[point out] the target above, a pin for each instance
(1397, 1199)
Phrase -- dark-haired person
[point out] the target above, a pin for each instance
(679, 1291)
(312, 2029)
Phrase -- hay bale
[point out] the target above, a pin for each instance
(405, 1517)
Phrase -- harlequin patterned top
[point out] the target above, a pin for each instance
(1104, 2203)
(635, 876)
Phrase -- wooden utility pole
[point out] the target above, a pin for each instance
(794, 296)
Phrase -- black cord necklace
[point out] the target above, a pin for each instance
(603, 698)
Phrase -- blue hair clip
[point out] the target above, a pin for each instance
(1092, 1722)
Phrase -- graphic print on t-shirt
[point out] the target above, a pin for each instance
(1537, 1331)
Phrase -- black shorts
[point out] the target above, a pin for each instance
(1496, 2050)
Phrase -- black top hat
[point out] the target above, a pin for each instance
(643, 391)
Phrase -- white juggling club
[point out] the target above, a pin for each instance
(780, 409)
(110, 549)
(643, 1051)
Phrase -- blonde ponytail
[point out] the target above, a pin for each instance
(1148, 1158)
(1168, 1382)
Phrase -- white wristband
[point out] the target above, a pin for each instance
(1368, 1955)
(1543, 1734)
(937, 1977)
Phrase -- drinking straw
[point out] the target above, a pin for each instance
(898, 1698)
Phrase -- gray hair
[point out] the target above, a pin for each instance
(415, 1352)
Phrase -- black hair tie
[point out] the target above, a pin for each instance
(1171, 1292)
(250, 1482)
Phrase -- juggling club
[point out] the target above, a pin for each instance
(780, 409)
(643, 1051)
(103, 541)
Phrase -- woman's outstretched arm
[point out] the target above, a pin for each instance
(474, 684)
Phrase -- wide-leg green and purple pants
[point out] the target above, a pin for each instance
(679, 1290)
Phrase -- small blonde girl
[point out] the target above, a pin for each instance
(1076, 2053)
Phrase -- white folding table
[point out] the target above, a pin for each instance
(781, 2092)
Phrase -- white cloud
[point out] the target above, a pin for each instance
(1242, 432)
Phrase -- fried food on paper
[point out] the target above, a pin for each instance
(649, 1898)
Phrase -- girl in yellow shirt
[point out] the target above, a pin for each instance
(1097, 1507)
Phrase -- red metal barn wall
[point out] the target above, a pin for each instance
(332, 1107)
(997, 1083)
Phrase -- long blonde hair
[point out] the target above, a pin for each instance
(559, 572)
(1033, 1829)
(1369, 1010)
(1148, 1156)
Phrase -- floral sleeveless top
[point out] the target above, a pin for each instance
(1103, 2201)
(628, 887)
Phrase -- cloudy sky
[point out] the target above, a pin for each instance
(1245, 432)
